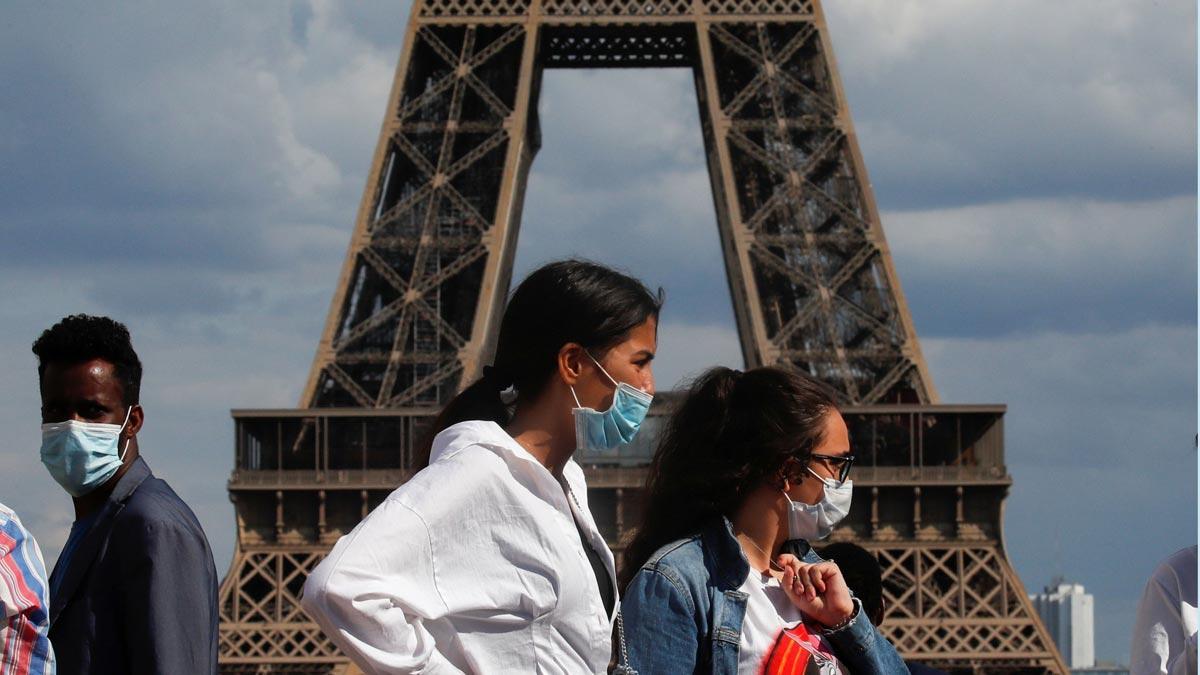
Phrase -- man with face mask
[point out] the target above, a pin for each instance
(134, 589)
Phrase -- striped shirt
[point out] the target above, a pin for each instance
(24, 641)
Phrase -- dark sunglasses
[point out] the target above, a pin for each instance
(841, 463)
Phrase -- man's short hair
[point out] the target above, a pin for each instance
(79, 338)
(861, 570)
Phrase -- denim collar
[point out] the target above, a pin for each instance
(730, 564)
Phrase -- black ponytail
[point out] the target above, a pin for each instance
(561, 302)
(732, 432)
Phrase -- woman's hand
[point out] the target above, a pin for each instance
(817, 589)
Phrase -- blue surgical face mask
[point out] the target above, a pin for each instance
(606, 430)
(82, 456)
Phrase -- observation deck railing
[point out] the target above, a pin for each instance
(372, 448)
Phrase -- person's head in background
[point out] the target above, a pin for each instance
(572, 333)
(745, 447)
(89, 378)
(863, 575)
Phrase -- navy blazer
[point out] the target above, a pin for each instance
(140, 592)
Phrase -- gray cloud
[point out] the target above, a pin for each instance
(621, 173)
(196, 170)
(380, 22)
(1111, 392)
(227, 129)
(88, 129)
(1065, 264)
(959, 103)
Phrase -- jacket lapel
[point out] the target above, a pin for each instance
(86, 552)
(727, 564)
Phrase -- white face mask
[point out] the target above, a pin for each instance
(815, 521)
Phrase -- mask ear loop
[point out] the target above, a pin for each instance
(610, 377)
(126, 449)
(783, 481)
(589, 355)
(824, 481)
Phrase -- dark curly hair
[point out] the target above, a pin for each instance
(733, 432)
(565, 301)
(79, 338)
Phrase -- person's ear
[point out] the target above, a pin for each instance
(136, 418)
(786, 476)
(782, 480)
(570, 363)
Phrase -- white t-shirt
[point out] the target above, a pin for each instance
(775, 640)
(1164, 635)
(474, 565)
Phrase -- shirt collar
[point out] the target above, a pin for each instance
(732, 566)
(138, 472)
(491, 435)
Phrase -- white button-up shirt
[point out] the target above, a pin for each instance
(474, 565)
(1164, 634)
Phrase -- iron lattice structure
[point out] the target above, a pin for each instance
(419, 299)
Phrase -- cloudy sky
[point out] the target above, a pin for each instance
(194, 171)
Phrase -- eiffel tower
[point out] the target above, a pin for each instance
(418, 304)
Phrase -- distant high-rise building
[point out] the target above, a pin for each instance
(1068, 613)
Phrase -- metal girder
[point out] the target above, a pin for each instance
(270, 628)
(418, 303)
(416, 267)
(811, 261)
(774, 122)
(961, 606)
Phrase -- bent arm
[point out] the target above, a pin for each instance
(170, 598)
(1162, 644)
(659, 621)
(863, 649)
(375, 591)
(1184, 663)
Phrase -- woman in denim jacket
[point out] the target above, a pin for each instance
(720, 576)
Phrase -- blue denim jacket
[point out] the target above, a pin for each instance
(683, 612)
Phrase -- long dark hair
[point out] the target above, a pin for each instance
(731, 433)
(565, 301)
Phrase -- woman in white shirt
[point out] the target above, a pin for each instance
(488, 560)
